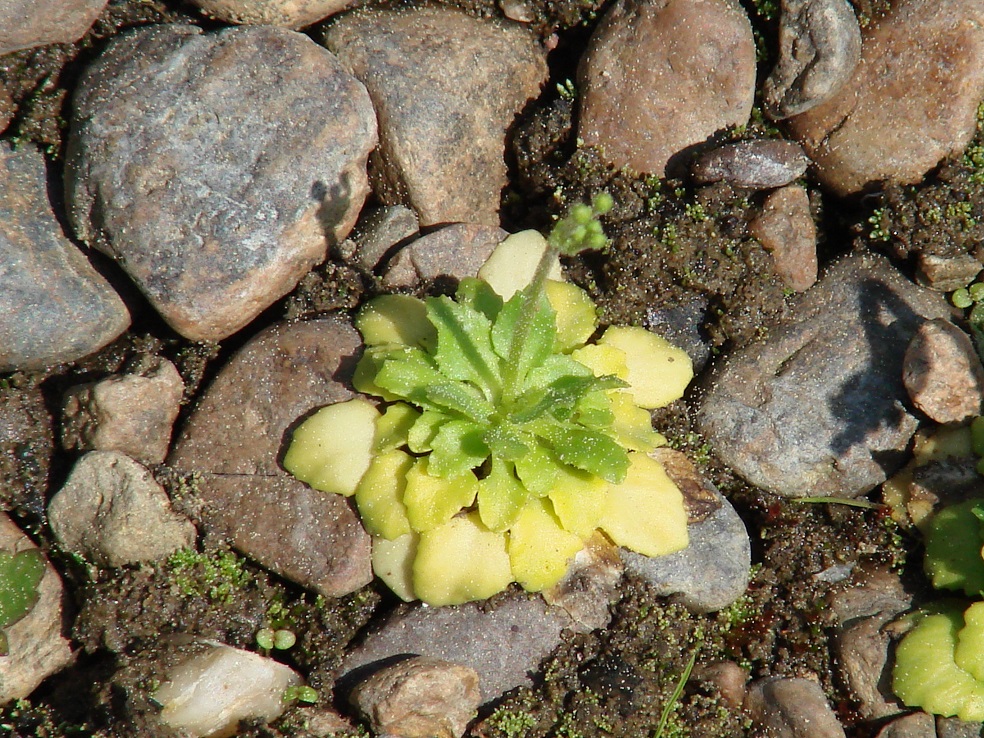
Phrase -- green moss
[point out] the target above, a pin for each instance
(215, 575)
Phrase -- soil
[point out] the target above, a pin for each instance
(672, 244)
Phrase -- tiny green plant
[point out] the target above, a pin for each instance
(972, 298)
(20, 575)
(506, 437)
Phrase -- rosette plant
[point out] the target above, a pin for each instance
(495, 437)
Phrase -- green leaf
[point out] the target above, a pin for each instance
(422, 432)
(501, 496)
(506, 441)
(407, 373)
(560, 396)
(588, 450)
(479, 295)
(464, 347)
(553, 368)
(538, 470)
(432, 501)
(20, 575)
(535, 346)
(457, 447)
(460, 398)
(594, 410)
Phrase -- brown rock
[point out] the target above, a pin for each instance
(728, 678)
(792, 708)
(446, 87)
(420, 697)
(914, 725)
(911, 101)
(377, 233)
(947, 273)
(237, 435)
(785, 228)
(288, 13)
(457, 250)
(760, 164)
(943, 374)
(25, 24)
(663, 75)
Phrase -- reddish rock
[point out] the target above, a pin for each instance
(943, 374)
(25, 24)
(288, 13)
(457, 250)
(663, 75)
(786, 229)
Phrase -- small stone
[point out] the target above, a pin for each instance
(728, 678)
(661, 76)
(112, 512)
(590, 584)
(819, 408)
(419, 698)
(240, 429)
(517, 10)
(819, 48)
(216, 686)
(951, 727)
(130, 413)
(946, 273)
(503, 645)
(943, 374)
(909, 103)
(447, 88)
(378, 232)
(760, 164)
(458, 250)
(37, 648)
(216, 167)
(792, 708)
(287, 13)
(914, 725)
(25, 24)
(785, 228)
(54, 306)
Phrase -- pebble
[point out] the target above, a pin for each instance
(378, 231)
(658, 77)
(419, 697)
(458, 250)
(503, 645)
(216, 686)
(818, 408)
(130, 413)
(909, 104)
(819, 49)
(183, 166)
(785, 228)
(914, 725)
(112, 512)
(54, 307)
(447, 88)
(946, 273)
(787, 707)
(759, 164)
(288, 13)
(25, 24)
(728, 678)
(943, 374)
(239, 430)
(951, 727)
(37, 648)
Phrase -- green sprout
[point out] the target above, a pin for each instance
(507, 438)
(20, 575)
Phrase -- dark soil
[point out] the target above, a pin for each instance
(672, 245)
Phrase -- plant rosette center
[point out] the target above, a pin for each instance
(499, 438)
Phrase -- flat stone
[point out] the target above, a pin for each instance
(447, 87)
(419, 697)
(239, 431)
(458, 250)
(112, 512)
(377, 233)
(760, 164)
(819, 408)
(504, 645)
(943, 374)
(661, 76)
(792, 708)
(130, 413)
(819, 48)
(25, 24)
(54, 307)
(288, 13)
(946, 273)
(37, 648)
(914, 725)
(909, 103)
(785, 228)
(183, 165)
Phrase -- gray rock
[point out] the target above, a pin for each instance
(289, 13)
(419, 697)
(951, 727)
(760, 164)
(681, 323)
(377, 233)
(711, 573)
(447, 87)
(909, 103)
(130, 413)
(37, 648)
(216, 168)
(660, 76)
(54, 306)
(943, 374)
(792, 708)
(819, 48)
(239, 431)
(914, 725)
(25, 24)
(785, 228)
(503, 645)
(946, 273)
(457, 250)
(112, 512)
(818, 408)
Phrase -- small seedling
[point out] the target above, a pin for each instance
(301, 693)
